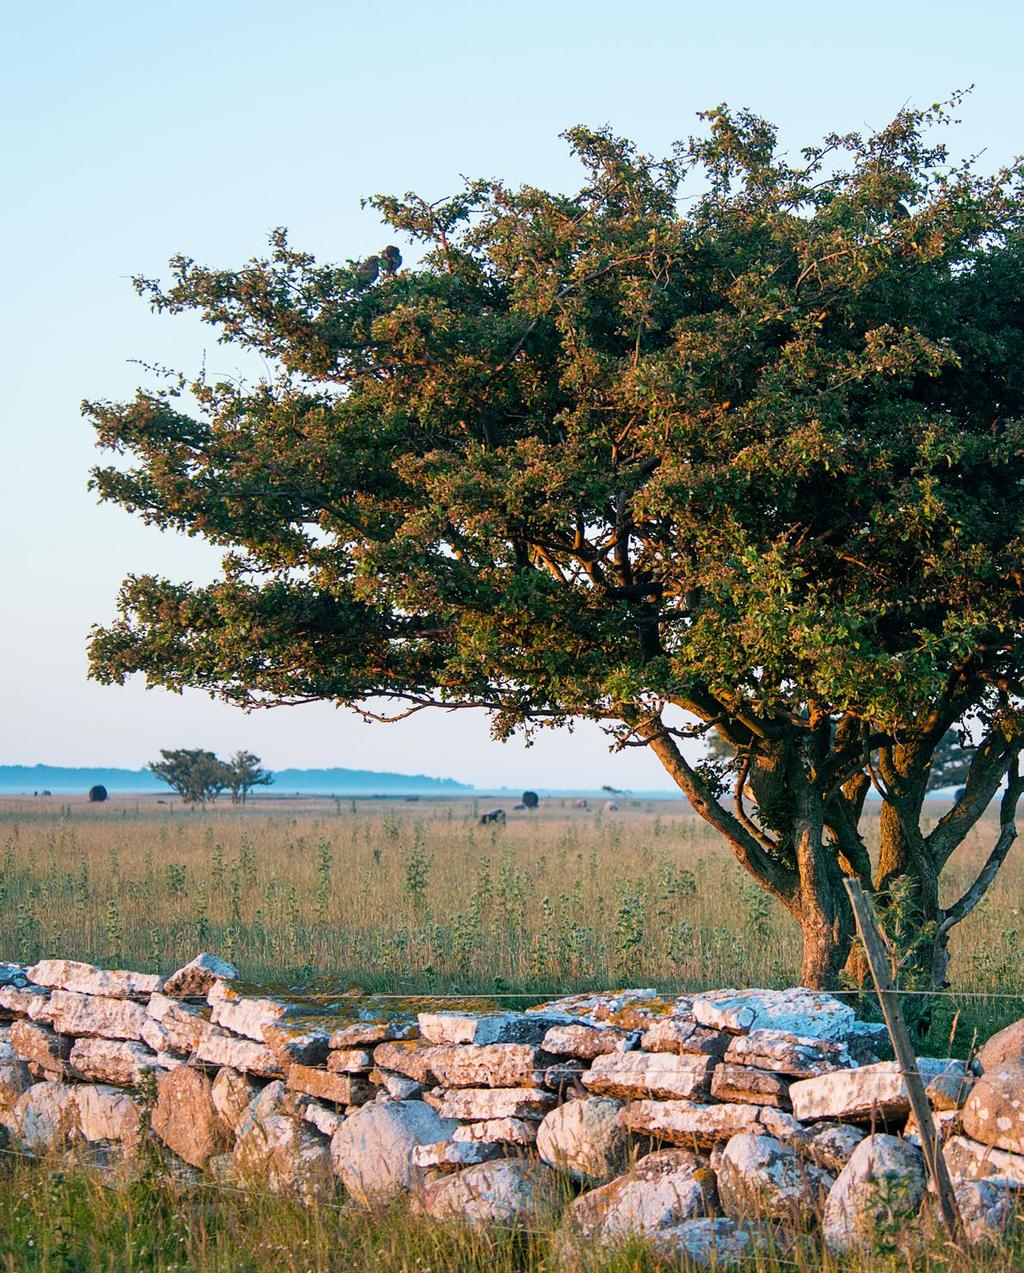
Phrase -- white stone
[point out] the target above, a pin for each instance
(326, 1121)
(710, 1243)
(587, 1041)
(350, 1061)
(969, 1160)
(96, 1015)
(108, 1113)
(872, 1091)
(798, 1056)
(492, 1027)
(456, 1153)
(985, 1210)
(507, 1193)
(232, 1093)
(372, 1149)
(218, 1047)
(116, 983)
(663, 1190)
(46, 1115)
(398, 1086)
(477, 1103)
(687, 1123)
(285, 1155)
(584, 1138)
(111, 1061)
(883, 1182)
(994, 1110)
(498, 1131)
(659, 1075)
(181, 1025)
(807, 1013)
(247, 1017)
(490, 1065)
(14, 1080)
(760, 1177)
(685, 1037)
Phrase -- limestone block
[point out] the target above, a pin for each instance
(490, 1065)
(626, 1009)
(688, 1123)
(117, 983)
(498, 1131)
(584, 1138)
(36, 1042)
(411, 1057)
(994, 1111)
(872, 1091)
(195, 979)
(564, 1078)
(968, 1159)
(350, 1061)
(14, 1079)
(108, 1113)
(232, 1093)
(949, 1091)
(30, 1001)
(46, 1115)
(285, 1155)
(245, 1016)
(786, 1053)
(760, 1177)
(806, 1013)
(97, 1016)
(325, 1120)
(476, 1103)
(365, 1034)
(715, 1242)
(831, 1145)
(685, 1037)
(449, 1154)
(218, 1047)
(748, 1085)
(372, 1149)
(506, 1193)
(664, 1075)
(883, 1182)
(397, 1086)
(663, 1190)
(111, 1061)
(492, 1027)
(1006, 1045)
(587, 1041)
(339, 1089)
(986, 1210)
(186, 1118)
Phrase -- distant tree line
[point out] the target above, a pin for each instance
(199, 776)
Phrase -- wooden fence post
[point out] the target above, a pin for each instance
(888, 996)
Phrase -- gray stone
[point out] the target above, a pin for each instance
(299, 1046)
(684, 1037)
(498, 1131)
(985, 1209)
(285, 1155)
(397, 1086)
(584, 1138)
(806, 1013)
(748, 1085)
(372, 1149)
(659, 1075)
(760, 1177)
(624, 1009)
(883, 1183)
(663, 1190)
(506, 1193)
(490, 1065)
(35, 1042)
(14, 1080)
(831, 1145)
(325, 1120)
(713, 1243)
(450, 1154)
(587, 1041)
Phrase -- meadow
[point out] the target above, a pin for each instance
(406, 898)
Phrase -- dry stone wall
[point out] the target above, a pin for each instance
(680, 1119)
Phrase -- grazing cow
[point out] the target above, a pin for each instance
(494, 815)
(610, 806)
(581, 804)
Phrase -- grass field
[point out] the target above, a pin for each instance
(409, 898)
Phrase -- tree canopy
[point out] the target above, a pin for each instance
(728, 440)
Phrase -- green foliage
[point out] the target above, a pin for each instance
(726, 433)
(196, 775)
(242, 773)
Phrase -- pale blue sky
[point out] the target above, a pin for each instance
(133, 131)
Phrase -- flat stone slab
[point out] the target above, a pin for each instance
(490, 1065)
(498, 1131)
(798, 1056)
(968, 1159)
(806, 1013)
(326, 1085)
(476, 1104)
(685, 1038)
(635, 1075)
(173, 1026)
(350, 1061)
(587, 1041)
(872, 1091)
(123, 1064)
(494, 1027)
(749, 1085)
(197, 977)
(457, 1153)
(411, 1057)
(689, 1124)
(116, 983)
(97, 1016)
(34, 1041)
(218, 1047)
(627, 1009)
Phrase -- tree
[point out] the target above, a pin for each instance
(243, 773)
(747, 461)
(951, 762)
(196, 775)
